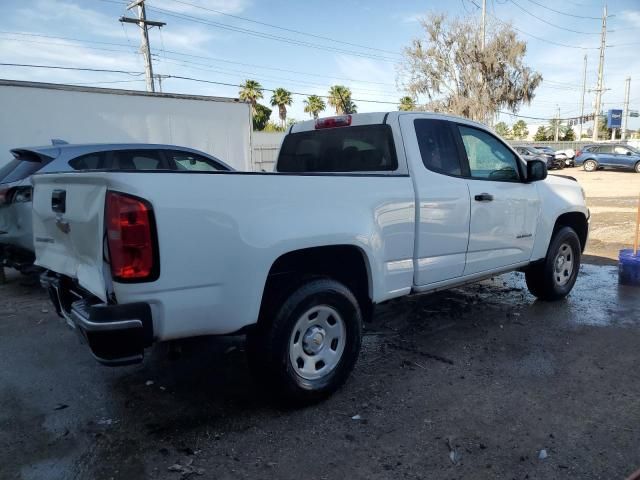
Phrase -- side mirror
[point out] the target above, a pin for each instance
(629, 152)
(536, 170)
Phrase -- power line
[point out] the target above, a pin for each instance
(552, 24)
(269, 36)
(82, 69)
(535, 36)
(173, 52)
(236, 73)
(284, 28)
(564, 13)
(199, 80)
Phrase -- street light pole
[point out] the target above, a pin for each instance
(625, 114)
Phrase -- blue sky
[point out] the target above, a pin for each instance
(200, 43)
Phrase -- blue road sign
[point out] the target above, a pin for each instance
(614, 118)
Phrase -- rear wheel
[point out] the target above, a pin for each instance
(309, 346)
(555, 276)
(590, 165)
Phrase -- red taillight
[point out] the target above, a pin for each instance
(333, 122)
(130, 236)
(578, 153)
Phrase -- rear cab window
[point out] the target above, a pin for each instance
(364, 148)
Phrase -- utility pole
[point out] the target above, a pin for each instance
(557, 125)
(144, 24)
(160, 78)
(600, 88)
(584, 89)
(625, 113)
(484, 21)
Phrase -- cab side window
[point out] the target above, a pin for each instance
(147, 159)
(437, 145)
(489, 158)
(621, 150)
(91, 161)
(192, 161)
(605, 149)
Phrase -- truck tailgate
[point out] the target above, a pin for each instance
(68, 227)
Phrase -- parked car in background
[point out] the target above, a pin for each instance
(529, 153)
(610, 156)
(16, 242)
(559, 155)
(360, 209)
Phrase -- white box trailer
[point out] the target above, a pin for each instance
(35, 113)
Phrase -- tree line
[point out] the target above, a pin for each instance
(339, 98)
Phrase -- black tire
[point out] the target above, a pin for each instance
(587, 163)
(637, 167)
(268, 346)
(543, 279)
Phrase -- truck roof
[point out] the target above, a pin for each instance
(383, 117)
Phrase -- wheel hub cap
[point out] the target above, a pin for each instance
(563, 265)
(313, 340)
(317, 342)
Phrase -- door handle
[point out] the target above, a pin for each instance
(484, 197)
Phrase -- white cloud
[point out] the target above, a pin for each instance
(631, 17)
(371, 71)
(413, 18)
(191, 39)
(73, 17)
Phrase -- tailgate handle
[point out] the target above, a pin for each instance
(59, 201)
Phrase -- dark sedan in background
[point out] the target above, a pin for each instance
(530, 153)
(610, 156)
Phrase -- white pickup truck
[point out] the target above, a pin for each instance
(361, 209)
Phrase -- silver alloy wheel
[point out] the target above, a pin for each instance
(317, 342)
(563, 265)
(589, 165)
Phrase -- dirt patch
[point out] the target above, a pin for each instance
(612, 198)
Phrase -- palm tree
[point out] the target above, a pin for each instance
(407, 104)
(251, 91)
(340, 99)
(313, 105)
(281, 98)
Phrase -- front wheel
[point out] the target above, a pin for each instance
(590, 166)
(309, 347)
(637, 167)
(555, 276)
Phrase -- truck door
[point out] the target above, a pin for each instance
(504, 209)
(442, 198)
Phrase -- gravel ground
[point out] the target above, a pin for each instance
(612, 197)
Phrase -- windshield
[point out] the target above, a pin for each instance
(17, 170)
